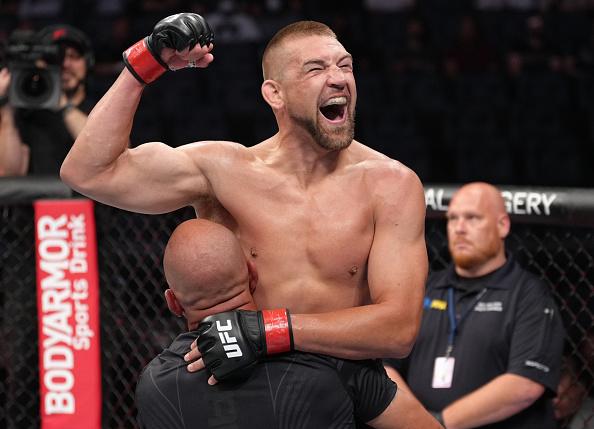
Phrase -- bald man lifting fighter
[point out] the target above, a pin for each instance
(208, 273)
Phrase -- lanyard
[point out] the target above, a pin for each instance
(454, 323)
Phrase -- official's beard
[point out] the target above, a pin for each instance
(337, 139)
(469, 260)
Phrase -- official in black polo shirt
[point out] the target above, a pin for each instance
(207, 271)
(489, 350)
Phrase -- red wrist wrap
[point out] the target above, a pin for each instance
(144, 65)
(277, 327)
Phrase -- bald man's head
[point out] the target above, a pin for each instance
(204, 265)
(488, 194)
(276, 54)
(477, 226)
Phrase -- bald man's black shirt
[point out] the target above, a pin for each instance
(290, 391)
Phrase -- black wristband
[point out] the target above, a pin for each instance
(3, 100)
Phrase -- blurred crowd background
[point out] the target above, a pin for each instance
(459, 90)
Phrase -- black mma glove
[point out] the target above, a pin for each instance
(231, 343)
(180, 31)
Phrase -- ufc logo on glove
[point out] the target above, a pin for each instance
(232, 343)
(231, 347)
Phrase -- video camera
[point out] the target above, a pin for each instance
(35, 71)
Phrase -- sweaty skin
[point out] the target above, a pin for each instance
(336, 229)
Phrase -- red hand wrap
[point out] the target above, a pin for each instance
(140, 59)
(278, 331)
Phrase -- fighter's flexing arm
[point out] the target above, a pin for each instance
(152, 178)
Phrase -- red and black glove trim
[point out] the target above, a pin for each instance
(144, 65)
(278, 330)
(179, 32)
(232, 343)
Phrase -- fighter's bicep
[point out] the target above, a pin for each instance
(154, 178)
(161, 164)
(398, 262)
(398, 270)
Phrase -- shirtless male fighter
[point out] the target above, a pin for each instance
(336, 229)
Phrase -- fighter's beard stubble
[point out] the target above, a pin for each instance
(337, 139)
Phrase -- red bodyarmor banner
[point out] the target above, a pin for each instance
(68, 314)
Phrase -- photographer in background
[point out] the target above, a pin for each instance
(41, 115)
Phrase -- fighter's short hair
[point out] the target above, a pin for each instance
(294, 30)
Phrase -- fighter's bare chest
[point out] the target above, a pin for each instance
(326, 226)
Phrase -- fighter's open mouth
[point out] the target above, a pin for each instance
(334, 112)
(334, 109)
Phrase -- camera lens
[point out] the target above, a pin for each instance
(35, 85)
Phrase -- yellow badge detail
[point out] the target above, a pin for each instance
(438, 304)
